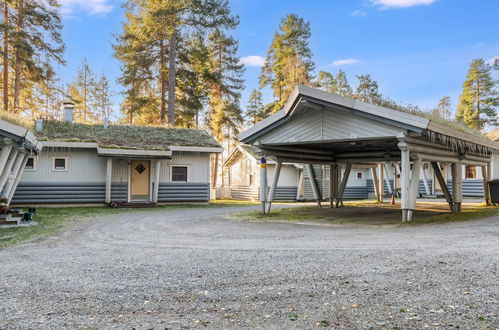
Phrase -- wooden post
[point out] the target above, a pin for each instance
(381, 184)
(12, 174)
(4, 155)
(404, 180)
(375, 182)
(17, 179)
(157, 175)
(486, 179)
(425, 182)
(8, 168)
(263, 183)
(414, 188)
(300, 186)
(109, 177)
(443, 184)
(343, 186)
(387, 179)
(273, 187)
(315, 187)
(333, 184)
(457, 186)
(214, 174)
(395, 180)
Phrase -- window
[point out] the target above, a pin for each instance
(359, 175)
(30, 164)
(179, 173)
(59, 164)
(251, 179)
(470, 172)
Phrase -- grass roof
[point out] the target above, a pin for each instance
(126, 137)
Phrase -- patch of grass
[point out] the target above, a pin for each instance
(367, 213)
(53, 220)
(16, 120)
(50, 221)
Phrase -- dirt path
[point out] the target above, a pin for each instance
(190, 268)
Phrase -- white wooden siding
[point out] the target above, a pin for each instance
(83, 166)
(199, 166)
(316, 125)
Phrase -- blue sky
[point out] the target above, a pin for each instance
(417, 50)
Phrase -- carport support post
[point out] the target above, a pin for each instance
(381, 184)
(457, 186)
(343, 186)
(387, 179)
(443, 185)
(375, 182)
(109, 175)
(313, 183)
(414, 187)
(404, 180)
(486, 178)
(273, 187)
(263, 183)
(333, 184)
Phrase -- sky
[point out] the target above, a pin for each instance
(417, 50)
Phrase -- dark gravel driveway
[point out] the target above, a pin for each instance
(191, 268)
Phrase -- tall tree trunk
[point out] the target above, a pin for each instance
(85, 95)
(18, 64)
(6, 57)
(162, 82)
(171, 78)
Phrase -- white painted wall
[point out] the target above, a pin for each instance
(85, 166)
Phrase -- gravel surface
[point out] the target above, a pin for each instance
(191, 268)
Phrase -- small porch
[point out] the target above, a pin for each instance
(139, 177)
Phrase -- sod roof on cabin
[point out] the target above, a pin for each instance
(126, 137)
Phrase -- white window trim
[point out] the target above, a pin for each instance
(34, 165)
(57, 169)
(180, 165)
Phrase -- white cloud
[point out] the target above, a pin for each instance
(253, 60)
(92, 7)
(344, 61)
(385, 4)
(358, 13)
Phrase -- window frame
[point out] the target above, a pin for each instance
(361, 175)
(66, 161)
(188, 167)
(34, 164)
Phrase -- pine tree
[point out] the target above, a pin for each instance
(480, 98)
(101, 98)
(255, 109)
(443, 109)
(81, 93)
(32, 45)
(341, 86)
(225, 115)
(289, 59)
(325, 81)
(151, 43)
(367, 90)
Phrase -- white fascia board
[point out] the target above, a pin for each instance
(133, 152)
(262, 124)
(62, 144)
(13, 129)
(213, 150)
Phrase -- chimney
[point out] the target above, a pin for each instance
(38, 125)
(68, 112)
(106, 122)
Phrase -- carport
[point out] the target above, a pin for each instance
(316, 127)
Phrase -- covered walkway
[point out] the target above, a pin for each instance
(316, 127)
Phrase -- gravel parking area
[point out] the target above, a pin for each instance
(191, 268)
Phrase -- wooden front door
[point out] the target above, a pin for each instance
(140, 179)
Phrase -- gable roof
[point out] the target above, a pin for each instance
(21, 135)
(303, 96)
(126, 137)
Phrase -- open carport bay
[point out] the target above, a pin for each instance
(189, 268)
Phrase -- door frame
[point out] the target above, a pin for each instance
(130, 179)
